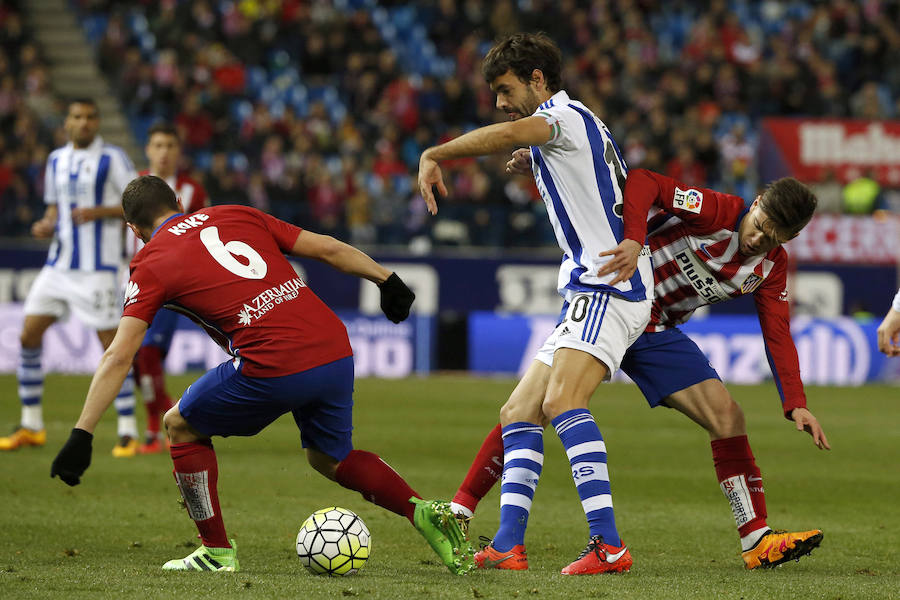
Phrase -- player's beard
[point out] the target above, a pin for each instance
(529, 104)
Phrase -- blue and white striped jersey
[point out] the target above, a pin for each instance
(580, 174)
(83, 178)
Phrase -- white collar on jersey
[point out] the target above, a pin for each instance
(560, 98)
(94, 146)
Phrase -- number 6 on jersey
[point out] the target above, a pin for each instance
(225, 255)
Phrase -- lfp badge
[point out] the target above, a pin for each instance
(689, 199)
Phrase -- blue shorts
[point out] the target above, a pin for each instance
(665, 362)
(225, 402)
(161, 330)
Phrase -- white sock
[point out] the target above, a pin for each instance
(457, 509)
(128, 426)
(749, 540)
(32, 417)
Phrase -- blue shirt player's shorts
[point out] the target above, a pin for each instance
(161, 330)
(665, 362)
(225, 402)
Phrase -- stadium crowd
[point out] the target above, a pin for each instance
(317, 111)
(30, 123)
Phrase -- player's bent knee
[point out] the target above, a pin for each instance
(518, 409)
(177, 428)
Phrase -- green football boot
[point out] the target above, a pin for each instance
(206, 559)
(437, 524)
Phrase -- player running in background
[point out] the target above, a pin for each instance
(291, 354)
(889, 330)
(580, 175)
(707, 248)
(163, 151)
(83, 184)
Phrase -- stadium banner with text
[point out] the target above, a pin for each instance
(380, 348)
(808, 149)
(838, 351)
(848, 239)
(525, 283)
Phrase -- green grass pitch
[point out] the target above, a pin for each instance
(108, 537)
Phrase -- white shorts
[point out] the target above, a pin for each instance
(600, 323)
(94, 297)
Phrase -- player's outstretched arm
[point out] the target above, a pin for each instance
(341, 256)
(807, 422)
(73, 459)
(88, 214)
(530, 131)
(396, 298)
(889, 330)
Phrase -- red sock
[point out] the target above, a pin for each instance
(378, 483)
(485, 471)
(197, 475)
(148, 368)
(741, 482)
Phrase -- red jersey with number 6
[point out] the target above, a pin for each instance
(224, 267)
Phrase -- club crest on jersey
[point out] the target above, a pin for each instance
(131, 292)
(690, 199)
(751, 283)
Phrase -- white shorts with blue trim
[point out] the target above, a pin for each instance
(600, 323)
(95, 297)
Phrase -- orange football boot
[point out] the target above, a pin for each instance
(514, 559)
(23, 437)
(598, 557)
(777, 547)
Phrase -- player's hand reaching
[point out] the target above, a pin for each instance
(74, 458)
(805, 421)
(624, 261)
(396, 298)
(430, 175)
(889, 333)
(85, 215)
(43, 228)
(520, 163)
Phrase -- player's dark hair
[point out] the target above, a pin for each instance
(163, 127)
(789, 205)
(522, 53)
(147, 198)
(82, 100)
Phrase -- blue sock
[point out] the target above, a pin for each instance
(31, 387)
(125, 399)
(587, 456)
(523, 457)
(127, 422)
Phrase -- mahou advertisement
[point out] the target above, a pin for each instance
(811, 149)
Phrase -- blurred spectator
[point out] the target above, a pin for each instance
(829, 192)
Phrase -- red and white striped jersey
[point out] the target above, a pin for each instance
(693, 238)
(192, 195)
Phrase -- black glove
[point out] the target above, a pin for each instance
(74, 458)
(396, 298)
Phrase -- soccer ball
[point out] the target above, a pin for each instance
(334, 541)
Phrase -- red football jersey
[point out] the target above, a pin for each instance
(696, 261)
(224, 267)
